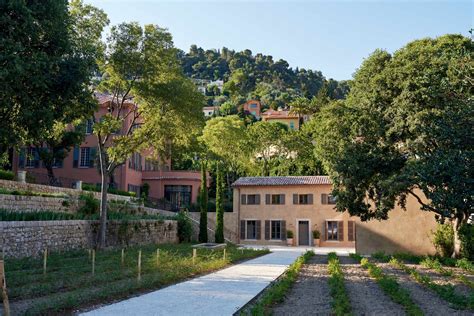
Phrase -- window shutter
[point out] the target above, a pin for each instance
(21, 158)
(258, 229)
(92, 155)
(267, 198)
(242, 229)
(75, 161)
(243, 199)
(351, 230)
(283, 230)
(257, 199)
(324, 198)
(340, 231)
(325, 231)
(267, 230)
(282, 199)
(295, 198)
(310, 199)
(37, 158)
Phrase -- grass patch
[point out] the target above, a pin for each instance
(381, 256)
(31, 193)
(435, 264)
(445, 291)
(391, 287)
(465, 264)
(276, 292)
(340, 300)
(69, 283)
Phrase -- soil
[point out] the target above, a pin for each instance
(428, 301)
(366, 297)
(310, 293)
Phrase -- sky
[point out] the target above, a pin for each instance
(331, 36)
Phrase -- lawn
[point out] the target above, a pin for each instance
(69, 284)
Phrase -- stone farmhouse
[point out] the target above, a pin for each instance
(267, 207)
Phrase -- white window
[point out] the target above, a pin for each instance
(30, 158)
(84, 159)
(276, 230)
(89, 125)
(251, 230)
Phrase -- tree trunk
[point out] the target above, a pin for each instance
(51, 178)
(103, 199)
(457, 222)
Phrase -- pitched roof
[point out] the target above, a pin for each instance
(277, 181)
(279, 114)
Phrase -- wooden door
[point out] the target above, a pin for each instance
(303, 233)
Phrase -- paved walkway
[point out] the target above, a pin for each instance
(219, 293)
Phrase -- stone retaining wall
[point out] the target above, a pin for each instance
(23, 239)
(14, 185)
(37, 203)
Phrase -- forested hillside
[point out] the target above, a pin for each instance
(247, 76)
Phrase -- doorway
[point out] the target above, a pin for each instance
(303, 233)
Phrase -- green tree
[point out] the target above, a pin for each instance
(152, 104)
(405, 130)
(36, 96)
(219, 207)
(203, 201)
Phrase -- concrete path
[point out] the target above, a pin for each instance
(219, 293)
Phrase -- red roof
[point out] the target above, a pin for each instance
(279, 114)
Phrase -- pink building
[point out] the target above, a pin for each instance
(177, 187)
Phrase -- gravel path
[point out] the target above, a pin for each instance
(428, 301)
(366, 297)
(310, 293)
(459, 287)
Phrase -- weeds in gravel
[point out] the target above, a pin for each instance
(465, 264)
(433, 263)
(276, 292)
(391, 287)
(340, 304)
(445, 291)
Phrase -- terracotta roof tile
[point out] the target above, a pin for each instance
(276, 181)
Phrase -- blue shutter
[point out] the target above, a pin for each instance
(92, 154)
(21, 158)
(37, 157)
(75, 162)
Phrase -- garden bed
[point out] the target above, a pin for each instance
(69, 284)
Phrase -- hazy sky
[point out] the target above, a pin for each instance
(331, 36)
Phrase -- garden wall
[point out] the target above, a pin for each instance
(14, 185)
(22, 239)
(37, 203)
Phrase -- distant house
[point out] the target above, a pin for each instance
(282, 116)
(204, 84)
(210, 110)
(267, 207)
(253, 107)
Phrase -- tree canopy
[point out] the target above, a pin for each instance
(405, 129)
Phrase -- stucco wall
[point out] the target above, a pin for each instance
(404, 231)
(21, 239)
(316, 214)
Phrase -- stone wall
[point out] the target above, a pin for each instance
(14, 185)
(22, 239)
(37, 203)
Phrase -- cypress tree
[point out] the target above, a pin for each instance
(203, 205)
(219, 207)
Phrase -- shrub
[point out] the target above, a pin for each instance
(443, 239)
(91, 204)
(466, 234)
(289, 234)
(145, 190)
(316, 234)
(185, 228)
(6, 175)
(381, 256)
